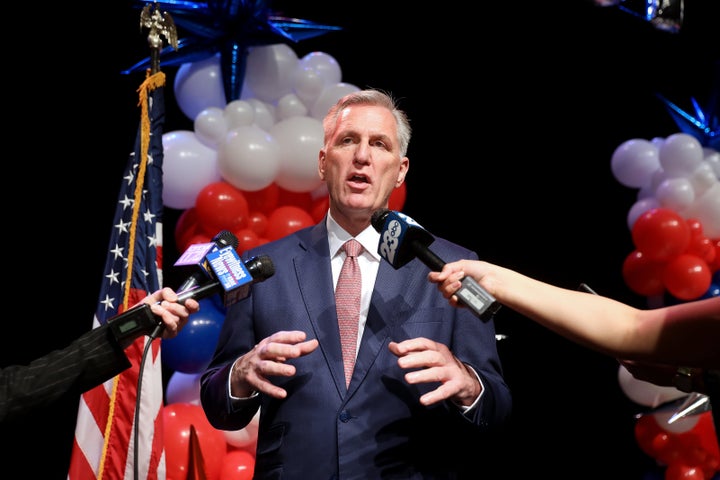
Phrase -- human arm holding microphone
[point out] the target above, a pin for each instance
(91, 359)
(683, 334)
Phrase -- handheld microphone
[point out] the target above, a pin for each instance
(402, 239)
(232, 280)
(260, 269)
(194, 259)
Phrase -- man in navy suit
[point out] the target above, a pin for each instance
(427, 388)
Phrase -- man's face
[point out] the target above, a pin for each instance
(362, 163)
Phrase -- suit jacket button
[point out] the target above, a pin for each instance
(344, 417)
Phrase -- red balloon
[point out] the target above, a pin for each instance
(264, 200)
(680, 471)
(221, 206)
(696, 228)
(319, 208)
(703, 247)
(247, 239)
(302, 200)
(687, 277)
(715, 263)
(643, 276)
(177, 419)
(185, 227)
(238, 465)
(661, 234)
(257, 222)
(397, 198)
(286, 220)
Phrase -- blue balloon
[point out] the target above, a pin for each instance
(193, 347)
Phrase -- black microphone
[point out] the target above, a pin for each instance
(194, 259)
(402, 239)
(260, 268)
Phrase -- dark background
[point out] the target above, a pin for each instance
(516, 108)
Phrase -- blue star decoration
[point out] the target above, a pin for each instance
(229, 28)
(701, 124)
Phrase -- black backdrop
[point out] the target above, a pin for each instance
(516, 111)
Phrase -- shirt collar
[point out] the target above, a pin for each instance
(368, 238)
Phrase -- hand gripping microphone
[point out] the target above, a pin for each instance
(223, 272)
(402, 239)
(232, 279)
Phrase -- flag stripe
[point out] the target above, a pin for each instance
(104, 446)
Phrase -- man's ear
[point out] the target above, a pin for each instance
(321, 165)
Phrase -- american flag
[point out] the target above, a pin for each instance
(104, 445)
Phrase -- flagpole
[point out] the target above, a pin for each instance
(159, 25)
(113, 440)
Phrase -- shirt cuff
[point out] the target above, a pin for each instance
(237, 402)
(465, 409)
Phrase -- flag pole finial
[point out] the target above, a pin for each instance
(160, 24)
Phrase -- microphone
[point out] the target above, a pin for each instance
(140, 320)
(402, 239)
(232, 280)
(260, 269)
(194, 258)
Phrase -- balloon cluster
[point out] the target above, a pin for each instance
(675, 226)
(687, 447)
(675, 222)
(249, 167)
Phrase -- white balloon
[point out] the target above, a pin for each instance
(680, 154)
(712, 157)
(269, 71)
(706, 208)
(645, 393)
(324, 65)
(329, 96)
(198, 85)
(249, 158)
(188, 165)
(290, 106)
(264, 113)
(308, 85)
(210, 126)
(634, 162)
(300, 140)
(675, 193)
(681, 425)
(703, 178)
(183, 388)
(239, 113)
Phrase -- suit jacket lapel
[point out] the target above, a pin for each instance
(314, 276)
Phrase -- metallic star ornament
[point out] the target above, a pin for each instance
(703, 124)
(229, 28)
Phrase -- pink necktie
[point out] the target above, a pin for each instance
(347, 300)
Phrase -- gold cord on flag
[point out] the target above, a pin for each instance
(151, 82)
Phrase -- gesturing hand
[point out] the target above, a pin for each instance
(251, 371)
(436, 363)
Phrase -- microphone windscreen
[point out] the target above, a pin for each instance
(378, 218)
(260, 267)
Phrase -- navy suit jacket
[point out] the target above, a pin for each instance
(376, 428)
